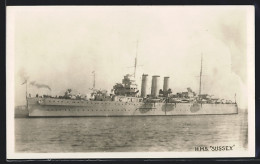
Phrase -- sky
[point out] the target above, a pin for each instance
(60, 47)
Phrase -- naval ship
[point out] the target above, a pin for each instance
(124, 100)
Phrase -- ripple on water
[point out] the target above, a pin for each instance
(155, 133)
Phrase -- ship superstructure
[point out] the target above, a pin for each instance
(125, 100)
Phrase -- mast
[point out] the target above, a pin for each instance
(94, 80)
(136, 58)
(200, 74)
(26, 89)
(26, 98)
(26, 94)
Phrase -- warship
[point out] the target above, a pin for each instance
(124, 100)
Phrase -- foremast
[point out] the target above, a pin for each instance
(94, 79)
(26, 97)
(136, 59)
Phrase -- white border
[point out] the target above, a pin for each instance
(251, 78)
(11, 154)
(10, 65)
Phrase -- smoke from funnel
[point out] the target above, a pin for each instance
(189, 89)
(33, 83)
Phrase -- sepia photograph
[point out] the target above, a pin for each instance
(130, 82)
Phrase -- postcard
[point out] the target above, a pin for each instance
(130, 82)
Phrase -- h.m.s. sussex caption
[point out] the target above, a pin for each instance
(214, 148)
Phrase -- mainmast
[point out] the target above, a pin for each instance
(200, 74)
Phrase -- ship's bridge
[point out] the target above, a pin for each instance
(127, 88)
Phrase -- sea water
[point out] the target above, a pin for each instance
(130, 134)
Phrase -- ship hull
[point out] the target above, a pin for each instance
(79, 108)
